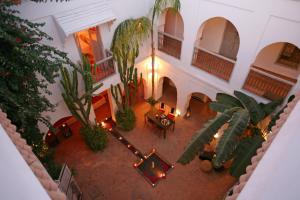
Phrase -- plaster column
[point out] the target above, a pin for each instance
(112, 105)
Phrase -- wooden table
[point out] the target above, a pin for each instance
(155, 116)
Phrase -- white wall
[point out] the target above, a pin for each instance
(277, 176)
(17, 179)
(259, 23)
(267, 59)
(43, 12)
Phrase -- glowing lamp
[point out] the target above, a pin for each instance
(216, 136)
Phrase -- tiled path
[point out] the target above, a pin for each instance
(110, 175)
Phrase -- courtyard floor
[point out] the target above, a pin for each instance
(110, 174)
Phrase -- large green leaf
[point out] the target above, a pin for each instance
(245, 151)
(228, 100)
(204, 136)
(230, 138)
(256, 113)
(270, 107)
(219, 107)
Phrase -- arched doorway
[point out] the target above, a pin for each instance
(168, 91)
(61, 128)
(274, 71)
(170, 33)
(198, 107)
(216, 47)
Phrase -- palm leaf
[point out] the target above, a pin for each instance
(228, 100)
(229, 140)
(204, 136)
(256, 113)
(270, 107)
(219, 107)
(245, 151)
(129, 34)
(161, 5)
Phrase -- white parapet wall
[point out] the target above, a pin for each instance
(277, 176)
(17, 179)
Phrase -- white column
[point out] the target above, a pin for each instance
(112, 105)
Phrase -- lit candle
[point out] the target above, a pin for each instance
(153, 164)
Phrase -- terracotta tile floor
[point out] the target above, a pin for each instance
(110, 174)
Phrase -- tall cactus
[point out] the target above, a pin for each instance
(125, 47)
(79, 105)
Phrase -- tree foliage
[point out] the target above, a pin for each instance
(241, 112)
(27, 67)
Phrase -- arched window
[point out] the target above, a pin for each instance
(216, 47)
(170, 33)
(274, 71)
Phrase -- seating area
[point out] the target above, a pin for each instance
(160, 120)
(113, 168)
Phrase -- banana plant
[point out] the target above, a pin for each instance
(241, 112)
(79, 105)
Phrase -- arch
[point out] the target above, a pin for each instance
(49, 137)
(275, 70)
(281, 58)
(219, 35)
(162, 84)
(197, 104)
(171, 22)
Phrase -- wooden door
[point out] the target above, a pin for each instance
(231, 42)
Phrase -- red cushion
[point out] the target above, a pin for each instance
(171, 116)
(161, 110)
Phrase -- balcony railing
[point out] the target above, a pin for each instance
(267, 85)
(213, 63)
(105, 68)
(169, 44)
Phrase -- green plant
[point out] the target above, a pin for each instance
(46, 156)
(27, 67)
(126, 120)
(277, 115)
(240, 113)
(79, 105)
(151, 101)
(95, 137)
(125, 47)
(158, 8)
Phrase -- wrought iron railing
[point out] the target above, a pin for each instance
(213, 63)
